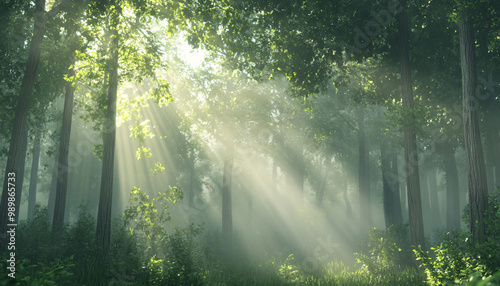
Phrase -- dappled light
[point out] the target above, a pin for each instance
(250, 143)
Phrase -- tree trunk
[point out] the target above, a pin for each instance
(390, 179)
(388, 192)
(452, 190)
(348, 207)
(275, 175)
(364, 176)
(17, 152)
(476, 172)
(433, 195)
(52, 192)
(103, 231)
(227, 214)
(192, 180)
(62, 166)
(20, 174)
(426, 204)
(493, 144)
(300, 171)
(322, 185)
(411, 158)
(34, 176)
(396, 189)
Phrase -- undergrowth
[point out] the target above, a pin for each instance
(144, 252)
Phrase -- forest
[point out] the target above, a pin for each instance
(229, 142)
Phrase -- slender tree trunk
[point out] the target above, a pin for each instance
(388, 192)
(364, 176)
(34, 175)
(20, 174)
(62, 166)
(390, 179)
(192, 180)
(17, 153)
(52, 192)
(227, 214)
(395, 188)
(300, 170)
(249, 193)
(478, 188)
(452, 190)
(275, 175)
(322, 185)
(411, 158)
(426, 204)
(348, 207)
(103, 231)
(433, 195)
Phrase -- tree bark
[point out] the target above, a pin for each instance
(103, 231)
(433, 189)
(227, 214)
(411, 158)
(17, 153)
(192, 179)
(396, 189)
(476, 173)
(62, 166)
(424, 192)
(322, 185)
(452, 190)
(52, 192)
(363, 176)
(275, 175)
(34, 176)
(348, 207)
(390, 179)
(388, 192)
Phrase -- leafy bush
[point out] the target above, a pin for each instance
(385, 251)
(34, 238)
(458, 259)
(169, 259)
(453, 262)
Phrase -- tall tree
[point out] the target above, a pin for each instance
(15, 161)
(62, 164)
(227, 212)
(103, 232)
(363, 173)
(476, 172)
(34, 174)
(410, 141)
(452, 190)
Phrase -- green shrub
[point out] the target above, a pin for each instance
(453, 262)
(458, 259)
(385, 251)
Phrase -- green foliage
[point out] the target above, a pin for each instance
(386, 251)
(54, 273)
(452, 263)
(459, 259)
(170, 259)
(143, 152)
(98, 151)
(149, 216)
(158, 168)
(289, 272)
(33, 241)
(141, 131)
(478, 280)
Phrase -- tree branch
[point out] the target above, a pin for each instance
(56, 9)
